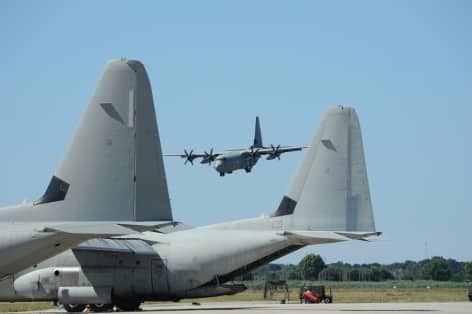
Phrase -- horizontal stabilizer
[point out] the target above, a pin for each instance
(106, 229)
(363, 236)
(313, 237)
(87, 230)
(320, 237)
(149, 226)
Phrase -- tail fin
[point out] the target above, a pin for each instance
(257, 135)
(113, 168)
(330, 190)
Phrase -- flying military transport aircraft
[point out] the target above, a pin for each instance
(237, 159)
(328, 201)
(108, 183)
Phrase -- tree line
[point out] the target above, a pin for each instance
(312, 267)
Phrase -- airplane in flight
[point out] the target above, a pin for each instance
(104, 186)
(328, 201)
(237, 159)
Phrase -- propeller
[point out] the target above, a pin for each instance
(254, 153)
(275, 153)
(189, 157)
(208, 158)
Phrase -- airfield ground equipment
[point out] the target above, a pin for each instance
(273, 287)
(315, 294)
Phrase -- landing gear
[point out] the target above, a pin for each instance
(123, 305)
(97, 308)
(222, 174)
(248, 169)
(128, 305)
(74, 307)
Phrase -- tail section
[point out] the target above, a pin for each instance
(257, 135)
(113, 168)
(330, 191)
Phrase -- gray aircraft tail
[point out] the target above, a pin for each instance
(330, 190)
(113, 168)
(257, 135)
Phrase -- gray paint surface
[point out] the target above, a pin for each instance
(331, 187)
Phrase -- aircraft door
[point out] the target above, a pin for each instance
(160, 283)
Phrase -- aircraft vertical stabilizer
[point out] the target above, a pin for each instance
(257, 135)
(330, 190)
(114, 164)
(113, 167)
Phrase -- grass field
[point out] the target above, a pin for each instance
(359, 295)
(407, 284)
(25, 306)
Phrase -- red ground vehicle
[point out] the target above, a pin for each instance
(315, 294)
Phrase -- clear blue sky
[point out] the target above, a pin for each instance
(405, 65)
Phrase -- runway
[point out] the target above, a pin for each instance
(274, 308)
(264, 307)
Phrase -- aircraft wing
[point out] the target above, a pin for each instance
(185, 156)
(275, 151)
(191, 156)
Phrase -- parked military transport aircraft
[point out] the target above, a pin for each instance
(109, 179)
(237, 159)
(327, 201)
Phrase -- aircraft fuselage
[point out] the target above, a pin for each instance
(168, 270)
(232, 161)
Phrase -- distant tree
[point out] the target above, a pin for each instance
(333, 273)
(436, 268)
(355, 274)
(454, 266)
(294, 275)
(410, 270)
(459, 277)
(379, 273)
(310, 266)
(468, 271)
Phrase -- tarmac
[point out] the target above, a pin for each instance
(274, 308)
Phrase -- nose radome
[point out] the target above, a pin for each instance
(26, 285)
(218, 164)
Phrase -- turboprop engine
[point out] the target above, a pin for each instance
(67, 285)
(100, 288)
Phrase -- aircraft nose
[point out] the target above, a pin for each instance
(218, 165)
(27, 285)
